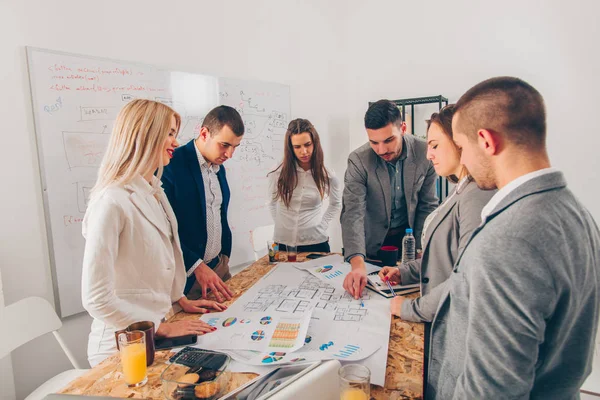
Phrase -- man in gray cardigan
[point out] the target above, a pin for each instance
(519, 315)
(389, 186)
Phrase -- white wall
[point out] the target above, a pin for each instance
(7, 380)
(287, 42)
(336, 56)
(420, 48)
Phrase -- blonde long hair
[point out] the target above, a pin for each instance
(135, 143)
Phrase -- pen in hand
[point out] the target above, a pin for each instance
(387, 280)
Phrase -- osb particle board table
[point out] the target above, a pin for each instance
(403, 375)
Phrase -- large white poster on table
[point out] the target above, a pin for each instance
(340, 326)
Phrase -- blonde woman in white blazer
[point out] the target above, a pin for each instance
(133, 266)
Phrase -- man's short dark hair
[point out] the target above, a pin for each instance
(505, 105)
(222, 116)
(382, 113)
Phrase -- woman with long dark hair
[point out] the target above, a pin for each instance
(298, 188)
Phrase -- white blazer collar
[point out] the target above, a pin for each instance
(140, 190)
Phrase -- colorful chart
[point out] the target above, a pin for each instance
(325, 346)
(307, 339)
(266, 320)
(334, 274)
(244, 321)
(229, 321)
(297, 359)
(273, 357)
(258, 335)
(347, 351)
(213, 321)
(285, 335)
(326, 268)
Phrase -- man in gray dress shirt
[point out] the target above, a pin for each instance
(519, 315)
(389, 186)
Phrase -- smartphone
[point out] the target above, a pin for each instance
(167, 343)
(312, 256)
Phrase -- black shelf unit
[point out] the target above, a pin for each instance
(402, 103)
(441, 101)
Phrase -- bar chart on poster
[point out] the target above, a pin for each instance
(75, 101)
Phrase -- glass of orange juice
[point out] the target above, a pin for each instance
(132, 346)
(355, 382)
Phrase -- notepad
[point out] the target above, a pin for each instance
(378, 286)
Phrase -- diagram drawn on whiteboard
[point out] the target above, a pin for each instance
(84, 149)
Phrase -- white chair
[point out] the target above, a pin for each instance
(26, 320)
(260, 236)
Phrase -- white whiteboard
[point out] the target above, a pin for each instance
(75, 101)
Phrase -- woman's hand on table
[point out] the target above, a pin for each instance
(200, 306)
(183, 328)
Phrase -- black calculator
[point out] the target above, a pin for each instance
(193, 358)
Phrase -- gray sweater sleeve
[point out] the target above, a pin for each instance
(423, 309)
(410, 272)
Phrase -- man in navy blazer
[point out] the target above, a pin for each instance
(196, 184)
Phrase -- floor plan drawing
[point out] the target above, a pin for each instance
(311, 292)
(350, 313)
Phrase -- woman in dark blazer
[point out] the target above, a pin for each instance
(446, 229)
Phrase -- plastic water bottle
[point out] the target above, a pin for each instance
(408, 246)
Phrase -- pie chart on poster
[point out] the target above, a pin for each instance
(258, 336)
(229, 321)
(272, 357)
(266, 320)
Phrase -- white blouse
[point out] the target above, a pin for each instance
(304, 222)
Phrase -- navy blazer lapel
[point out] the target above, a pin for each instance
(221, 176)
(384, 180)
(194, 166)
